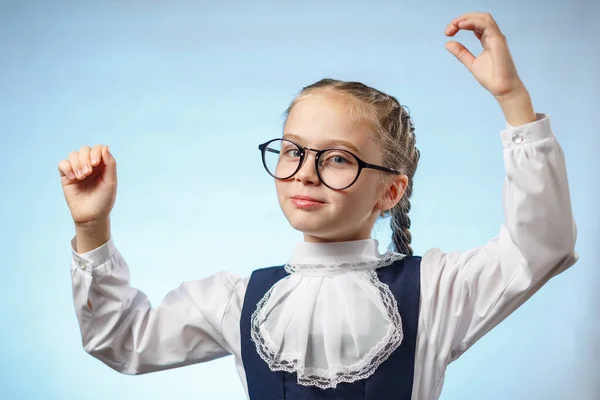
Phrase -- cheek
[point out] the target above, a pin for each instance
(354, 204)
(280, 188)
(362, 196)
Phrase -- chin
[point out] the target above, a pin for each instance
(308, 222)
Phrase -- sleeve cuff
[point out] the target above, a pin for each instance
(93, 258)
(531, 132)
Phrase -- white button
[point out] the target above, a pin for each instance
(517, 137)
(81, 264)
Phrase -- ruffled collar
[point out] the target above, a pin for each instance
(330, 320)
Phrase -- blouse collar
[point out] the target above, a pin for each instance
(332, 252)
(337, 257)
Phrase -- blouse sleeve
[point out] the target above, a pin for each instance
(120, 328)
(466, 294)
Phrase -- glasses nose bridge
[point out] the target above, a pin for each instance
(305, 151)
(317, 153)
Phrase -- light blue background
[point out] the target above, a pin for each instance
(184, 91)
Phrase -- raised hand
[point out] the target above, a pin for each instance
(493, 68)
(89, 182)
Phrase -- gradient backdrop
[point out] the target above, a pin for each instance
(183, 92)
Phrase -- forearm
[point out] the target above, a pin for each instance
(537, 205)
(91, 235)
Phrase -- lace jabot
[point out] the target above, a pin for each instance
(330, 320)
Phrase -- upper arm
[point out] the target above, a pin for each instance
(466, 294)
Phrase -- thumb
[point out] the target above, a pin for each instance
(110, 171)
(461, 53)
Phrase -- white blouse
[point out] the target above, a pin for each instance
(463, 294)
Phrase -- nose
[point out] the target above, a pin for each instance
(307, 174)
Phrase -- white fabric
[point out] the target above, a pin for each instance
(463, 294)
(331, 320)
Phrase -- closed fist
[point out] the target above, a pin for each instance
(89, 182)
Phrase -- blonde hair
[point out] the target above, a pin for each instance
(393, 129)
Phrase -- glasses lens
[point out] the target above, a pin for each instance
(338, 168)
(282, 158)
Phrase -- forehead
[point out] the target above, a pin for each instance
(318, 120)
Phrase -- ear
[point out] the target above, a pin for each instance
(393, 192)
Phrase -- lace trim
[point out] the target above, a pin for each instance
(321, 377)
(332, 269)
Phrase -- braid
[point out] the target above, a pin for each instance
(400, 221)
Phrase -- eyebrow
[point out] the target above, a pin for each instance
(328, 143)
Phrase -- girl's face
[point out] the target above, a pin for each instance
(322, 121)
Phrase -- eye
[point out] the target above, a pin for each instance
(338, 160)
(293, 153)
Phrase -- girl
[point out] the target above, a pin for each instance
(339, 320)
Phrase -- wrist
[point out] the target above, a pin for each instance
(93, 225)
(517, 107)
(91, 235)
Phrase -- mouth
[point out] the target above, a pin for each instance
(307, 202)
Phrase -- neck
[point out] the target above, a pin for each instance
(309, 238)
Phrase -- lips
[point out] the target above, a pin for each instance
(307, 203)
(307, 198)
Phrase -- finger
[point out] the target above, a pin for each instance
(75, 165)
(451, 29)
(111, 166)
(476, 15)
(483, 19)
(461, 53)
(107, 156)
(96, 155)
(64, 168)
(481, 26)
(84, 160)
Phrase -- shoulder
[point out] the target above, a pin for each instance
(404, 261)
(273, 272)
(435, 257)
(401, 268)
(268, 269)
(412, 259)
(261, 280)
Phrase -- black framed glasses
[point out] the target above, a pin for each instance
(337, 169)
